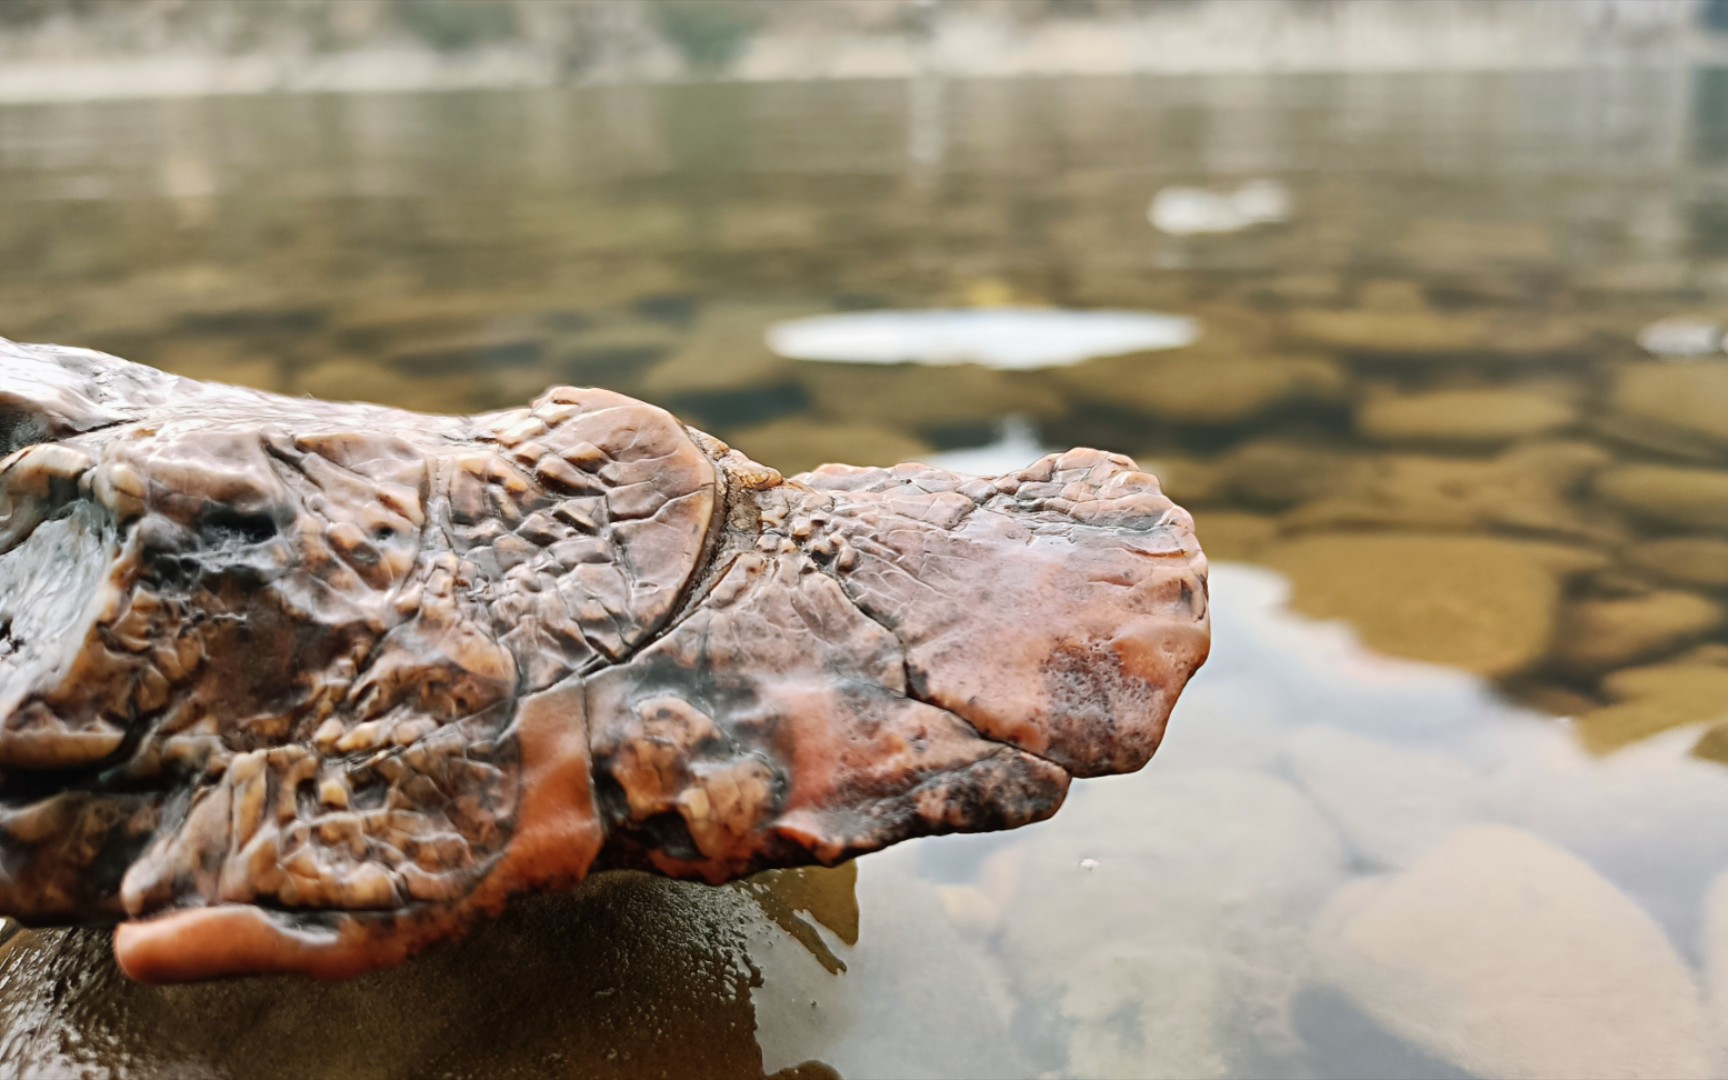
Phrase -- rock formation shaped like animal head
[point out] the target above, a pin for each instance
(296, 686)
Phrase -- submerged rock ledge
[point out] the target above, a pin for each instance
(296, 686)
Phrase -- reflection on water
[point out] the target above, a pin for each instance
(1187, 211)
(1420, 407)
(1342, 865)
(1013, 339)
(632, 976)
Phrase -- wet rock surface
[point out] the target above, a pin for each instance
(303, 687)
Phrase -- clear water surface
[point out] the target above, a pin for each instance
(1449, 798)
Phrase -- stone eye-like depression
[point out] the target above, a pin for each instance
(288, 685)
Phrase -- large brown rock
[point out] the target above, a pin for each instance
(287, 685)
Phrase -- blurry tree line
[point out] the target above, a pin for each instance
(708, 34)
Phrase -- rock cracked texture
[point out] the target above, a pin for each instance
(296, 686)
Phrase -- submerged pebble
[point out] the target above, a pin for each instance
(1504, 955)
(1474, 603)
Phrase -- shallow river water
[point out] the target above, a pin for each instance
(1448, 800)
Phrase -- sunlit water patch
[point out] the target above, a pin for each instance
(1016, 339)
(1190, 211)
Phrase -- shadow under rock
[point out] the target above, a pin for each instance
(630, 975)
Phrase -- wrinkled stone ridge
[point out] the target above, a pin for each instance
(296, 686)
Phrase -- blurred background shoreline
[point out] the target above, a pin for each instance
(60, 50)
